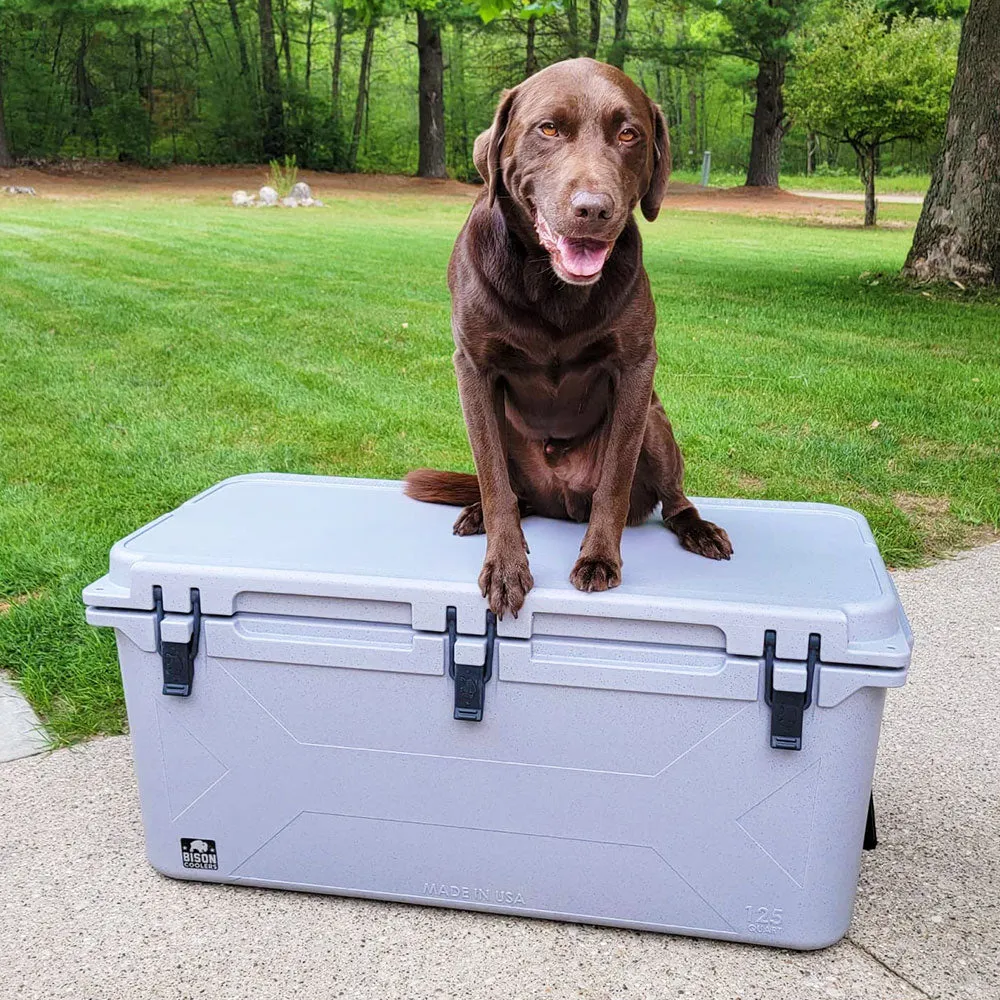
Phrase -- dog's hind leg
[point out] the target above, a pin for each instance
(470, 521)
(662, 468)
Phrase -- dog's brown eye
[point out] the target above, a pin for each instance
(549, 129)
(627, 135)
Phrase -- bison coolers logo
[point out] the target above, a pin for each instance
(199, 854)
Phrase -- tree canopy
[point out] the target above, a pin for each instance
(393, 85)
(869, 81)
(861, 80)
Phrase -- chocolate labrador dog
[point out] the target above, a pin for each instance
(553, 323)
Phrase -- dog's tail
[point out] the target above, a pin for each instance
(457, 489)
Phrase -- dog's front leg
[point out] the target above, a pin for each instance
(505, 579)
(600, 564)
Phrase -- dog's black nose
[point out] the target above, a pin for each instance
(592, 205)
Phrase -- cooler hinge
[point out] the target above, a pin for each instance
(788, 707)
(177, 658)
(470, 678)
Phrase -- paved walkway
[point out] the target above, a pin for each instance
(21, 734)
(82, 915)
(892, 199)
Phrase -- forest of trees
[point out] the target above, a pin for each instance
(405, 85)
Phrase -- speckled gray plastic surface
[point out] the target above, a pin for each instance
(622, 772)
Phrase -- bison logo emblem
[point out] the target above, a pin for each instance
(198, 853)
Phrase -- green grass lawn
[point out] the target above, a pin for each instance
(149, 349)
(846, 183)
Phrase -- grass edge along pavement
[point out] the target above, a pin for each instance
(151, 349)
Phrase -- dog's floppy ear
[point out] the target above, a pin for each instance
(653, 197)
(486, 151)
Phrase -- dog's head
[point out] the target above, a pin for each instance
(575, 148)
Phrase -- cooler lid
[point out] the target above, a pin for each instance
(361, 549)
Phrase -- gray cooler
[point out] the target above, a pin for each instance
(319, 699)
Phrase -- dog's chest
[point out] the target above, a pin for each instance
(560, 401)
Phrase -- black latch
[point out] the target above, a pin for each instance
(470, 681)
(178, 657)
(787, 707)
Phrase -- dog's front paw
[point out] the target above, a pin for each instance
(701, 537)
(595, 573)
(505, 582)
(470, 521)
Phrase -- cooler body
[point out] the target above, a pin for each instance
(680, 755)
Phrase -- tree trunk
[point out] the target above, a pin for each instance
(572, 30)
(85, 93)
(6, 159)
(618, 44)
(530, 58)
(140, 86)
(150, 94)
(958, 235)
(456, 67)
(678, 77)
(201, 32)
(359, 107)
(309, 43)
(144, 88)
(274, 116)
(869, 156)
(692, 120)
(810, 153)
(335, 63)
(595, 28)
(431, 97)
(286, 41)
(58, 49)
(768, 125)
(703, 133)
(80, 79)
(234, 16)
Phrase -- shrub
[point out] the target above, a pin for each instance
(283, 175)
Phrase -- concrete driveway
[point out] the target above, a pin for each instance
(83, 916)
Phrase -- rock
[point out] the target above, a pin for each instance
(268, 196)
(290, 202)
(241, 199)
(302, 191)
(15, 189)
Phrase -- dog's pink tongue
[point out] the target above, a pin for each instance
(583, 257)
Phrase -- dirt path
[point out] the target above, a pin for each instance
(87, 180)
(96, 180)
